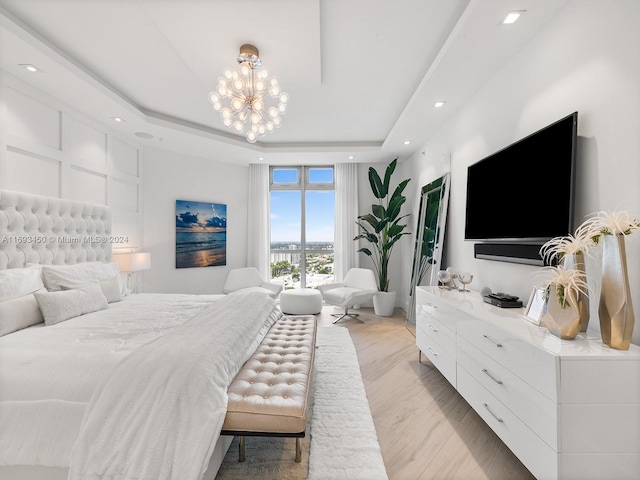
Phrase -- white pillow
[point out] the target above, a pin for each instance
(62, 305)
(19, 313)
(110, 288)
(56, 277)
(18, 282)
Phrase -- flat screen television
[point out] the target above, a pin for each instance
(525, 192)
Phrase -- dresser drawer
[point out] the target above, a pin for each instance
(534, 453)
(444, 361)
(533, 365)
(529, 405)
(436, 329)
(437, 309)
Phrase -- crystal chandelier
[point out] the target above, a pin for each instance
(248, 100)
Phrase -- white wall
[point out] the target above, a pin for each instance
(586, 60)
(48, 148)
(169, 177)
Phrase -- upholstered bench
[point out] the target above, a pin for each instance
(301, 301)
(271, 393)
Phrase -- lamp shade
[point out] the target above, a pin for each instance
(133, 262)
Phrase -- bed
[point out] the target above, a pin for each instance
(95, 383)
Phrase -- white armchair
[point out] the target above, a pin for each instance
(358, 287)
(249, 279)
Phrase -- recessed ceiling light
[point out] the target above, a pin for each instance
(512, 17)
(145, 135)
(439, 104)
(261, 158)
(351, 157)
(406, 142)
(29, 67)
(117, 119)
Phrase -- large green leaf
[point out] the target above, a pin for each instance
(394, 207)
(376, 184)
(366, 251)
(378, 211)
(400, 188)
(389, 245)
(395, 230)
(380, 225)
(370, 219)
(387, 175)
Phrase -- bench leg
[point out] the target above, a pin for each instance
(241, 449)
(298, 450)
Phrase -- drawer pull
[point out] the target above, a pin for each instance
(432, 351)
(486, 372)
(492, 414)
(497, 344)
(432, 305)
(432, 328)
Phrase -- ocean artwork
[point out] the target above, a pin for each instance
(201, 234)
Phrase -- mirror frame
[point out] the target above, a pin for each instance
(432, 216)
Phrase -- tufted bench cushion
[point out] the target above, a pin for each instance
(270, 394)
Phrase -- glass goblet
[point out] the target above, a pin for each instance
(444, 277)
(465, 279)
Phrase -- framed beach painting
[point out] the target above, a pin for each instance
(201, 234)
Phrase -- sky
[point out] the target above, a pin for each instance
(200, 216)
(286, 210)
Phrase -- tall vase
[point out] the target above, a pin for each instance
(615, 310)
(562, 321)
(575, 261)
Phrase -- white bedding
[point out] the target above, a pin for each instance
(49, 374)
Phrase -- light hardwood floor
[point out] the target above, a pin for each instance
(427, 431)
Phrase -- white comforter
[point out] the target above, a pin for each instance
(48, 376)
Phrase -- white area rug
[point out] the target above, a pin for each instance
(344, 443)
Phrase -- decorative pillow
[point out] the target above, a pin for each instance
(19, 313)
(18, 282)
(79, 275)
(62, 305)
(110, 289)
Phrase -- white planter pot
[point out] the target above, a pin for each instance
(384, 303)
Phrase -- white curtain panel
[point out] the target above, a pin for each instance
(258, 242)
(346, 214)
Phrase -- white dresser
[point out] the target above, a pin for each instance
(568, 409)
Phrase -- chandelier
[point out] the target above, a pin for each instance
(248, 100)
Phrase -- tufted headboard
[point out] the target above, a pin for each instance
(46, 230)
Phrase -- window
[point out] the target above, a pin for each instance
(302, 225)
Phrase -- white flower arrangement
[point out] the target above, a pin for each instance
(609, 223)
(564, 280)
(588, 234)
(558, 247)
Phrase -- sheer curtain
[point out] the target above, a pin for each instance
(258, 242)
(346, 214)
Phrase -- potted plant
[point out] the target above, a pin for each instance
(570, 251)
(563, 287)
(382, 229)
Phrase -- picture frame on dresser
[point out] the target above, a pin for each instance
(536, 306)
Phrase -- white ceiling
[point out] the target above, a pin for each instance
(362, 75)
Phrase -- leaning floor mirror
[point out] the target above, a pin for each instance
(432, 215)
